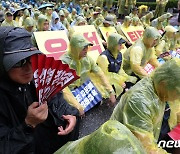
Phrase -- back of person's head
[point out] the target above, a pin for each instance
(135, 21)
(151, 32)
(29, 22)
(127, 20)
(169, 74)
(80, 21)
(15, 45)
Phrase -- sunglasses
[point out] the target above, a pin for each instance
(22, 63)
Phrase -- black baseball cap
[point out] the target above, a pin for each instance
(15, 45)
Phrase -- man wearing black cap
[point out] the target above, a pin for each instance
(26, 127)
(9, 20)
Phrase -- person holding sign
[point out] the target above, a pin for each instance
(168, 42)
(26, 127)
(142, 107)
(110, 62)
(142, 52)
(77, 59)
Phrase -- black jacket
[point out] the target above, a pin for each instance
(15, 137)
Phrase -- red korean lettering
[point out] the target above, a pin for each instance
(91, 37)
(55, 45)
(140, 32)
(133, 36)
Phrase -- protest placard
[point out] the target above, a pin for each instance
(133, 33)
(105, 31)
(52, 43)
(87, 95)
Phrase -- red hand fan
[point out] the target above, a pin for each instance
(50, 76)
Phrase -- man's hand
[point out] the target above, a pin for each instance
(112, 100)
(123, 85)
(36, 114)
(71, 122)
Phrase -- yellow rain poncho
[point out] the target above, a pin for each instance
(121, 7)
(115, 79)
(111, 138)
(126, 23)
(142, 10)
(41, 20)
(168, 41)
(8, 22)
(142, 52)
(142, 107)
(146, 20)
(177, 37)
(22, 19)
(109, 3)
(160, 7)
(83, 66)
(129, 5)
(29, 24)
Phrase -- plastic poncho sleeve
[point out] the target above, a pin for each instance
(100, 80)
(159, 48)
(135, 61)
(138, 118)
(69, 97)
(142, 127)
(153, 59)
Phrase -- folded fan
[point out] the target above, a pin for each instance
(50, 76)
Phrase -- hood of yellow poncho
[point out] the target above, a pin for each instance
(112, 42)
(150, 33)
(169, 73)
(41, 20)
(77, 44)
(29, 21)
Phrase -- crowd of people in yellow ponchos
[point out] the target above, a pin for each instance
(148, 105)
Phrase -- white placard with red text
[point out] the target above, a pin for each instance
(52, 43)
(133, 33)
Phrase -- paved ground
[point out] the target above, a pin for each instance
(94, 119)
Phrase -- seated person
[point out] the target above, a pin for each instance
(142, 107)
(110, 62)
(142, 52)
(26, 127)
(78, 60)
